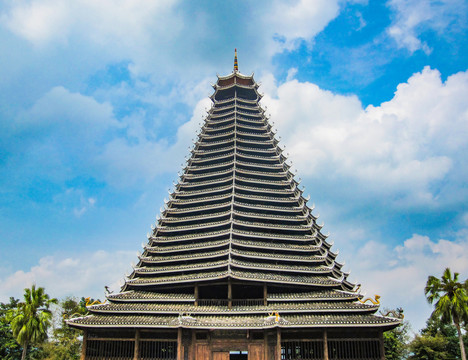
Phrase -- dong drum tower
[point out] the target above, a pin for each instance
(237, 266)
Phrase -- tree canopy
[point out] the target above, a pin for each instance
(451, 301)
(31, 318)
(9, 348)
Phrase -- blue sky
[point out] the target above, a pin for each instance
(100, 102)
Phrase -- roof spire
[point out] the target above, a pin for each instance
(236, 66)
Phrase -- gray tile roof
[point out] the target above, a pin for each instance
(234, 322)
(283, 307)
(236, 213)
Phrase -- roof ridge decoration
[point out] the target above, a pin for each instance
(236, 65)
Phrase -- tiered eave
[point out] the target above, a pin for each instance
(236, 219)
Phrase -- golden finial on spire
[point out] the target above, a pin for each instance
(236, 66)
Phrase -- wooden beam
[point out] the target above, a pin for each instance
(278, 344)
(83, 348)
(325, 345)
(136, 353)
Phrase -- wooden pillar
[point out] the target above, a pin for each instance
(325, 345)
(229, 294)
(180, 348)
(382, 346)
(84, 347)
(196, 294)
(265, 344)
(265, 294)
(136, 354)
(210, 346)
(193, 346)
(278, 343)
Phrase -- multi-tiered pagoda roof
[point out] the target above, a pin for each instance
(236, 245)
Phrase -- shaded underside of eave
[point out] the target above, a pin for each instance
(153, 296)
(229, 92)
(241, 262)
(193, 257)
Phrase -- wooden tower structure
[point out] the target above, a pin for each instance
(237, 266)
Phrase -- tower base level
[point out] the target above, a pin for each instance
(268, 344)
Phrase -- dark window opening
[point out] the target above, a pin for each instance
(257, 335)
(213, 292)
(201, 335)
(241, 291)
(238, 355)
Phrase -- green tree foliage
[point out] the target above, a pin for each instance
(451, 301)
(435, 327)
(70, 308)
(66, 343)
(9, 348)
(30, 319)
(436, 341)
(396, 340)
(429, 348)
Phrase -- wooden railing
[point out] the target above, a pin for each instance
(213, 302)
(234, 302)
(247, 302)
(124, 349)
(338, 349)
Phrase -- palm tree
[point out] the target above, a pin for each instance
(451, 297)
(31, 319)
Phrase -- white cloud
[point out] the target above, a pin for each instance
(412, 18)
(157, 34)
(286, 24)
(399, 274)
(74, 39)
(63, 108)
(301, 21)
(162, 43)
(108, 22)
(66, 134)
(84, 274)
(39, 21)
(127, 163)
(402, 147)
(59, 136)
